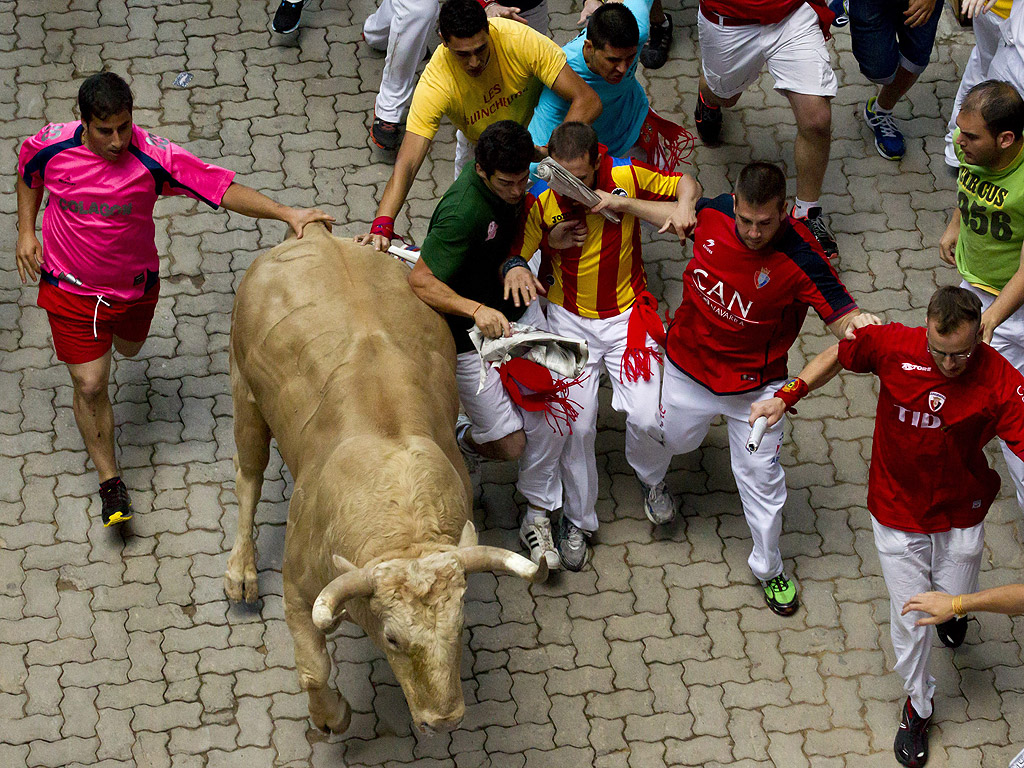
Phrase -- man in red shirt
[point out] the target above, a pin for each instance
(754, 273)
(738, 39)
(943, 397)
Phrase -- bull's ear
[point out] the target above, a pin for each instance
(468, 538)
(343, 565)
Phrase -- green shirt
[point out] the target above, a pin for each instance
(470, 235)
(991, 207)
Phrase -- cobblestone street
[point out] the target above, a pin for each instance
(123, 650)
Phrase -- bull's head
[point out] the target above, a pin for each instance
(415, 616)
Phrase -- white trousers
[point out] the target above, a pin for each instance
(403, 28)
(922, 562)
(688, 411)
(637, 399)
(1007, 340)
(495, 415)
(987, 29)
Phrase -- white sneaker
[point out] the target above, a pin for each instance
(536, 537)
(659, 505)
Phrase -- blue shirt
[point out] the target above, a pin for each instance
(624, 104)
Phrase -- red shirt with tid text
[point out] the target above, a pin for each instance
(928, 471)
(742, 309)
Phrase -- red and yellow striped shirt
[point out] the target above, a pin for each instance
(603, 277)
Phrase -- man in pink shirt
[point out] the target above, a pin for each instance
(98, 260)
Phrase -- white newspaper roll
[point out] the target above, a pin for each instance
(405, 255)
(756, 433)
(564, 183)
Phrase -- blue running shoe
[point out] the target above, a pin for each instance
(888, 139)
(841, 8)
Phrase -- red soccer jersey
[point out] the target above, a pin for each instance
(763, 11)
(928, 470)
(742, 309)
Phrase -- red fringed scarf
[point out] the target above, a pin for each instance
(643, 322)
(547, 395)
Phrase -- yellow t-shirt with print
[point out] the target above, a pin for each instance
(521, 61)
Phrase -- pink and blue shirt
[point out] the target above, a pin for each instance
(98, 222)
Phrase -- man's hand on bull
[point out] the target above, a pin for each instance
(379, 242)
(521, 284)
(298, 218)
(492, 323)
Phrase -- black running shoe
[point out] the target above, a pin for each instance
(387, 136)
(817, 223)
(708, 120)
(952, 632)
(911, 744)
(655, 51)
(286, 20)
(117, 504)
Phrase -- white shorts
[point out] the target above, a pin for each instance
(794, 50)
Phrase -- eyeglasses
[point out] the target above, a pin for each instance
(956, 357)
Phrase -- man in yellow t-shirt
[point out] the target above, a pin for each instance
(486, 71)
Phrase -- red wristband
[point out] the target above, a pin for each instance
(383, 225)
(792, 391)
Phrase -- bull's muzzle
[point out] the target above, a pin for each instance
(432, 726)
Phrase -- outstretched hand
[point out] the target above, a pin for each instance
(938, 604)
(298, 218)
(522, 286)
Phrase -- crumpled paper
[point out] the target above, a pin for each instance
(561, 355)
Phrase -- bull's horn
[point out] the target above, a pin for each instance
(468, 538)
(346, 587)
(343, 565)
(481, 558)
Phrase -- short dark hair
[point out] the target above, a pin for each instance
(571, 140)
(615, 25)
(1000, 106)
(504, 146)
(761, 183)
(951, 306)
(103, 95)
(461, 18)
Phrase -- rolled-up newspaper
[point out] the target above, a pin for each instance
(564, 183)
(408, 256)
(757, 433)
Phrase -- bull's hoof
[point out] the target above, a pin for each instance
(329, 711)
(238, 586)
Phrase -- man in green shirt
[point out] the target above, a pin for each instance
(985, 237)
(459, 274)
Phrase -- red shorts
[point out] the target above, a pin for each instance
(83, 327)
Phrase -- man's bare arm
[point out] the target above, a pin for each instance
(411, 155)
(28, 251)
(584, 103)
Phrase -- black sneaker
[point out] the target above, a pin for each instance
(952, 632)
(286, 20)
(911, 744)
(655, 51)
(387, 136)
(818, 224)
(708, 120)
(117, 504)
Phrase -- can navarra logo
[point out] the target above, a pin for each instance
(761, 277)
(935, 401)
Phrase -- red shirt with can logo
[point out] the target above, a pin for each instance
(928, 471)
(742, 309)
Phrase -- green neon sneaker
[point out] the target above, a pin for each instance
(780, 594)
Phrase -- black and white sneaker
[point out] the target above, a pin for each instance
(654, 54)
(659, 505)
(818, 224)
(536, 537)
(952, 632)
(286, 20)
(117, 504)
(911, 745)
(572, 545)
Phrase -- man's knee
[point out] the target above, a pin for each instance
(90, 386)
(814, 118)
(509, 447)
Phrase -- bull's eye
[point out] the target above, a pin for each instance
(391, 640)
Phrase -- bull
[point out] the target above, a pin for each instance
(334, 357)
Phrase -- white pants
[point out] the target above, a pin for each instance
(637, 399)
(688, 411)
(495, 415)
(793, 49)
(987, 28)
(921, 562)
(402, 27)
(1007, 340)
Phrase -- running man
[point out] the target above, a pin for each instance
(98, 259)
